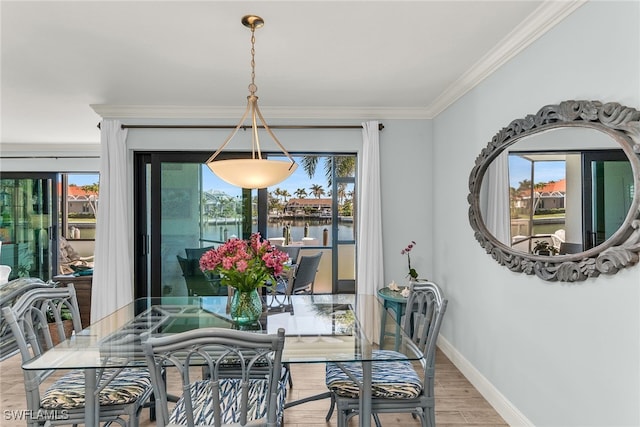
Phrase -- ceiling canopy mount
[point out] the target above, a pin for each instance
(256, 172)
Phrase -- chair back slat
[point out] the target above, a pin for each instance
(9, 294)
(306, 271)
(31, 315)
(29, 319)
(219, 351)
(292, 251)
(426, 306)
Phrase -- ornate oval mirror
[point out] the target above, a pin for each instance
(556, 194)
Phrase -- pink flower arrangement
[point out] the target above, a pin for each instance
(245, 265)
(412, 271)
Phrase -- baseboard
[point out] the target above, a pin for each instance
(500, 403)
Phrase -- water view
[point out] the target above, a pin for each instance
(315, 230)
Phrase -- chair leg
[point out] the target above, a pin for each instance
(290, 378)
(377, 420)
(429, 417)
(343, 419)
(331, 408)
(344, 415)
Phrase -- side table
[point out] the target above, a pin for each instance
(82, 284)
(392, 300)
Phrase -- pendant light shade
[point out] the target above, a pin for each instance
(252, 173)
(255, 172)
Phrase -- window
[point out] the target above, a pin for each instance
(79, 196)
(183, 206)
(40, 214)
(314, 208)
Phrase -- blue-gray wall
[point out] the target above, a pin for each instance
(561, 354)
(545, 354)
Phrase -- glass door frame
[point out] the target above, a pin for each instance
(54, 206)
(591, 237)
(148, 210)
(337, 286)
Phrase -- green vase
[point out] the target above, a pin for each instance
(246, 307)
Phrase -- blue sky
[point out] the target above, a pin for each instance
(83, 179)
(299, 179)
(520, 169)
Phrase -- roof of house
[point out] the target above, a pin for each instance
(77, 193)
(551, 187)
(309, 202)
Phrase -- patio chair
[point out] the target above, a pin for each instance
(198, 284)
(246, 399)
(292, 251)
(36, 317)
(69, 259)
(305, 275)
(5, 271)
(283, 280)
(570, 248)
(396, 386)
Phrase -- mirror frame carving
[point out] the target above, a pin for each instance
(622, 249)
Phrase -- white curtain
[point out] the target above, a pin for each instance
(370, 273)
(112, 285)
(497, 218)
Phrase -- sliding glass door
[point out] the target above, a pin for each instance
(182, 209)
(608, 193)
(28, 212)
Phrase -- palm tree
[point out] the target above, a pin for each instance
(274, 200)
(285, 194)
(345, 166)
(524, 185)
(342, 188)
(91, 188)
(300, 193)
(317, 190)
(277, 192)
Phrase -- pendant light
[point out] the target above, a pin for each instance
(254, 172)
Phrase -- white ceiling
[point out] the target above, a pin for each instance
(64, 61)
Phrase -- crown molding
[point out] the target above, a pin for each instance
(107, 111)
(541, 20)
(38, 149)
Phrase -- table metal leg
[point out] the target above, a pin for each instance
(365, 395)
(399, 312)
(91, 401)
(383, 325)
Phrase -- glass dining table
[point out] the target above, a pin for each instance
(318, 328)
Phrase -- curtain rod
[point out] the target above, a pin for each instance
(48, 157)
(380, 127)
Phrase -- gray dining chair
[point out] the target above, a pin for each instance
(197, 282)
(32, 319)
(217, 400)
(9, 294)
(396, 386)
(305, 274)
(292, 251)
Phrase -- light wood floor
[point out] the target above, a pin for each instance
(458, 403)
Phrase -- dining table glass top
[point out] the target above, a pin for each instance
(318, 329)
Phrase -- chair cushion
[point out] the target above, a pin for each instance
(68, 391)
(201, 392)
(390, 379)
